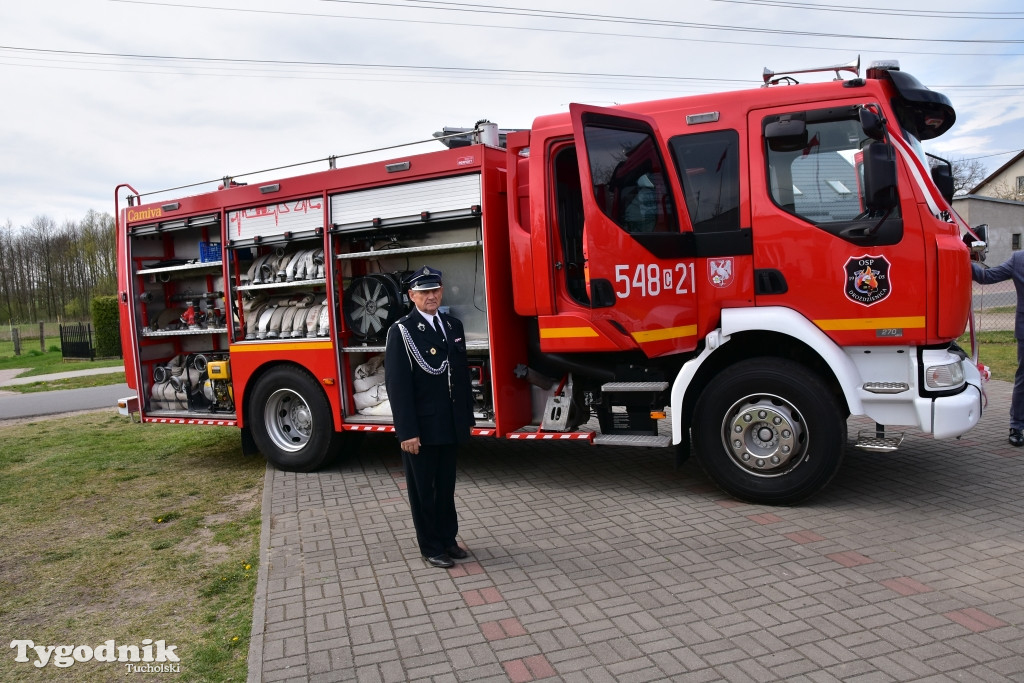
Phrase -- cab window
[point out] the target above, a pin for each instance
(708, 165)
(629, 180)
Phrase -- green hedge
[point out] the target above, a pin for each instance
(106, 326)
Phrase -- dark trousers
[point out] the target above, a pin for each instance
(1017, 399)
(430, 480)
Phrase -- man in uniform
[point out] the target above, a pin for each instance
(432, 403)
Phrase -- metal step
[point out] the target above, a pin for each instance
(632, 440)
(873, 441)
(633, 386)
(886, 387)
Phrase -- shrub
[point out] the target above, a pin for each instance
(107, 326)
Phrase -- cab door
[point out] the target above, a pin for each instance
(639, 265)
(858, 273)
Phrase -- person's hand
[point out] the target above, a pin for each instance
(412, 445)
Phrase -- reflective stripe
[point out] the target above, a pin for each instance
(913, 322)
(278, 347)
(668, 333)
(566, 332)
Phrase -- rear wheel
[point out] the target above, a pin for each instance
(768, 430)
(290, 418)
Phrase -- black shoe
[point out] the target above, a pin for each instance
(1016, 437)
(457, 553)
(442, 561)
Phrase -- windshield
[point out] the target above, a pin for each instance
(916, 145)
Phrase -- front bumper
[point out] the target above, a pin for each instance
(951, 416)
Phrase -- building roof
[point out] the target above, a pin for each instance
(998, 172)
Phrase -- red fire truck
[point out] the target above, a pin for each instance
(753, 266)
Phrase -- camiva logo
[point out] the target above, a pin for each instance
(65, 655)
(143, 215)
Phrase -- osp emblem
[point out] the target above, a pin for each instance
(867, 279)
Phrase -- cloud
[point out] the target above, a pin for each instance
(77, 125)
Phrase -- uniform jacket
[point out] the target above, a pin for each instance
(421, 402)
(1013, 269)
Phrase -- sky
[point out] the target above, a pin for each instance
(96, 93)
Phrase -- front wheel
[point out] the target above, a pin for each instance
(767, 430)
(290, 418)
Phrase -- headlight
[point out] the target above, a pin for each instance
(937, 377)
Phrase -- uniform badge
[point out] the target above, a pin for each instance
(867, 279)
(433, 351)
(421, 327)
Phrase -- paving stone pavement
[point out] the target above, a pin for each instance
(609, 564)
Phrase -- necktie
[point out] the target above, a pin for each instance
(437, 326)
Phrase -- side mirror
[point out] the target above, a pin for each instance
(978, 247)
(942, 176)
(786, 135)
(982, 232)
(880, 177)
(873, 124)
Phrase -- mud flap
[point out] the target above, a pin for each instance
(248, 443)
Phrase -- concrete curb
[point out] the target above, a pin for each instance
(259, 607)
(6, 381)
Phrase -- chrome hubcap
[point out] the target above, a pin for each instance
(288, 419)
(764, 435)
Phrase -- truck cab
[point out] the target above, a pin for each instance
(766, 262)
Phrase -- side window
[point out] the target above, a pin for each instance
(569, 216)
(629, 179)
(708, 165)
(819, 177)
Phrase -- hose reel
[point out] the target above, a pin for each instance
(372, 303)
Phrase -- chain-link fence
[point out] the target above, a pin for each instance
(994, 306)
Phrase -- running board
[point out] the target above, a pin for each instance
(878, 442)
(612, 387)
(632, 440)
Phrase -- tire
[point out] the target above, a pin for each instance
(290, 418)
(769, 431)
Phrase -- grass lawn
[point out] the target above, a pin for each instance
(68, 383)
(36, 362)
(997, 350)
(111, 530)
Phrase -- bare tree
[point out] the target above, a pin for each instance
(49, 272)
(967, 173)
(1008, 190)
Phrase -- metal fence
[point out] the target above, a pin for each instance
(19, 339)
(76, 342)
(994, 306)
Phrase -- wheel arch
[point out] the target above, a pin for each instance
(259, 373)
(769, 331)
